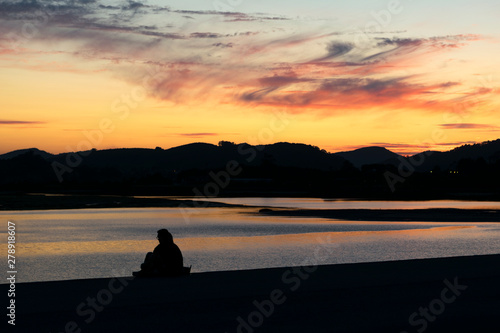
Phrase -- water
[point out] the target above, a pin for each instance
(91, 243)
(316, 203)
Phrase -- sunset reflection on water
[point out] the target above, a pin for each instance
(88, 243)
(226, 243)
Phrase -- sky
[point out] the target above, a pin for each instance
(403, 74)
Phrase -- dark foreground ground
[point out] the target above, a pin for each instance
(460, 294)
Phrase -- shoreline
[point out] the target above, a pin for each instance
(393, 215)
(363, 297)
(64, 202)
(52, 201)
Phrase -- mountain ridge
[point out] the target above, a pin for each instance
(278, 169)
(369, 155)
(284, 151)
(243, 169)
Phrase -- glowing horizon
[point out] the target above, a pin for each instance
(122, 74)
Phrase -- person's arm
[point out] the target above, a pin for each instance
(158, 260)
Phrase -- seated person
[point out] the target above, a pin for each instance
(165, 260)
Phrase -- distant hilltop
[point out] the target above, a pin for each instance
(281, 167)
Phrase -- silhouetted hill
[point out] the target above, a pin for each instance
(277, 169)
(295, 155)
(370, 155)
(35, 151)
(489, 151)
(28, 167)
(205, 156)
(130, 164)
(136, 160)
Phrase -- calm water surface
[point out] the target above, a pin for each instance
(316, 203)
(89, 243)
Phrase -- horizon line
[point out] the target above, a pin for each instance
(344, 149)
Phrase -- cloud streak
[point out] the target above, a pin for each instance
(406, 149)
(270, 66)
(336, 49)
(470, 126)
(198, 135)
(20, 122)
(334, 94)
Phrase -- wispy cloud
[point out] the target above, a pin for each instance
(269, 66)
(20, 122)
(398, 148)
(206, 35)
(336, 49)
(456, 143)
(233, 16)
(470, 126)
(406, 149)
(223, 45)
(197, 135)
(350, 93)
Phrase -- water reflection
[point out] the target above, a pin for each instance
(224, 243)
(316, 203)
(140, 224)
(55, 245)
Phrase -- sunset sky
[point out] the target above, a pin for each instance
(406, 75)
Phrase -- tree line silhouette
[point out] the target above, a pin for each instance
(272, 170)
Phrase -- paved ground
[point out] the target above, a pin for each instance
(459, 294)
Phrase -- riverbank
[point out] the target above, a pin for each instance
(460, 294)
(401, 215)
(52, 202)
(81, 201)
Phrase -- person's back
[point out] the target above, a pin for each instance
(168, 257)
(165, 260)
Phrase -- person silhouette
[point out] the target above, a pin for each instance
(165, 260)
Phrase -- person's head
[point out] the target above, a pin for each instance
(165, 237)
